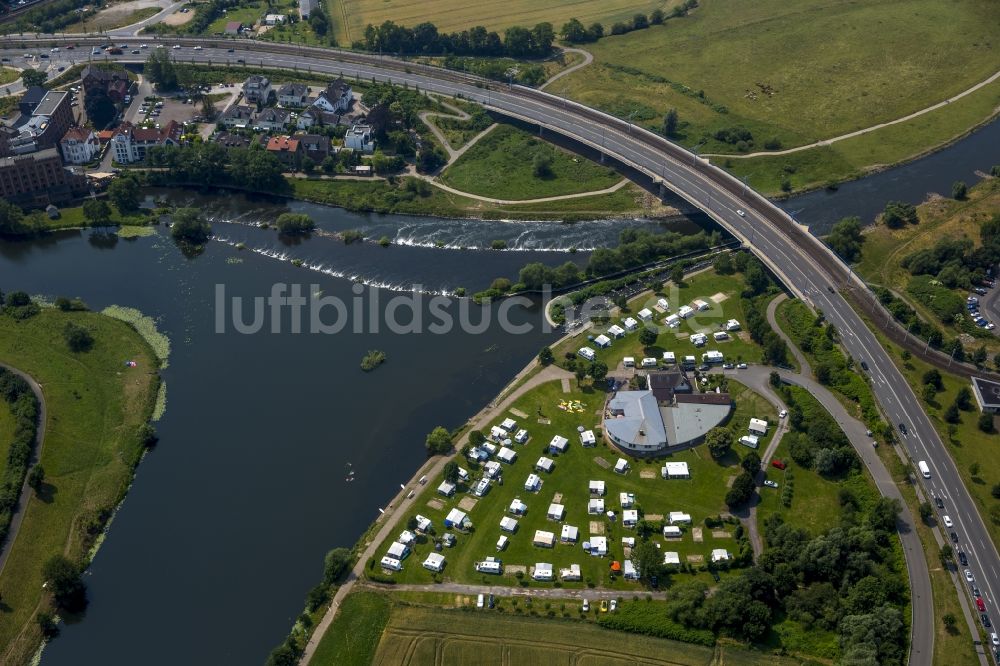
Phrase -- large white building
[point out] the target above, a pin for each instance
(79, 145)
(360, 138)
(130, 143)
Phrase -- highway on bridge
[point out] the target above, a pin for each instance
(800, 261)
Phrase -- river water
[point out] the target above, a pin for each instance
(224, 531)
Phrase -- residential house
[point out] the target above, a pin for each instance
(257, 89)
(237, 116)
(315, 116)
(112, 82)
(314, 146)
(293, 94)
(130, 143)
(272, 119)
(287, 149)
(336, 98)
(79, 145)
(360, 138)
(231, 141)
(233, 28)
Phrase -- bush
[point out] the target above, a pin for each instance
(294, 223)
(189, 226)
(78, 338)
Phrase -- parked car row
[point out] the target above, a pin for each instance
(972, 305)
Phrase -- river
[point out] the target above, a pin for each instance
(210, 557)
(224, 531)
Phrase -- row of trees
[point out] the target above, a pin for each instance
(211, 164)
(24, 407)
(424, 38)
(574, 32)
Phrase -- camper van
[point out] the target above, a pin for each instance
(924, 469)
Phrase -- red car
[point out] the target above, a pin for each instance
(980, 605)
(780, 464)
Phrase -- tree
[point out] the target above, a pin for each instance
(541, 165)
(670, 123)
(647, 559)
(430, 159)
(124, 194)
(67, 586)
(656, 17)
(979, 357)
(959, 190)
(677, 275)
(946, 554)
(995, 491)
(189, 226)
(318, 21)
(574, 32)
(751, 463)
(933, 377)
(294, 223)
(33, 77)
(926, 511)
(598, 371)
(640, 21)
(719, 441)
(845, 238)
(898, 214)
(724, 264)
(451, 471)
(741, 491)
(951, 414)
(438, 441)
(963, 399)
(476, 437)
(308, 165)
(335, 564)
(47, 624)
(100, 109)
(974, 469)
(986, 423)
(77, 338)
(950, 621)
(36, 477)
(160, 69)
(12, 219)
(97, 212)
(928, 392)
(647, 336)
(545, 356)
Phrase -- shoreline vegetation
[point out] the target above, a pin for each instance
(372, 360)
(101, 381)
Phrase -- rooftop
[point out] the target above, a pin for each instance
(50, 102)
(987, 393)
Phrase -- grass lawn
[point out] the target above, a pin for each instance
(700, 496)
(885, 248)
(351, 16)
(801, 72)
(501, 165)
(702, 286)
(111, 19)
(8, 74)
(95, 406)
(416, 634)
(380, 196)
(6, 430)
(356, 631)
(248, 15)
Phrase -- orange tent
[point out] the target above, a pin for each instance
(616, 566)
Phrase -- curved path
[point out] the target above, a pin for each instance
(866, 130)
(772, 319)
(22, 500)
(588, 58)
(562, 197)
(430, 469)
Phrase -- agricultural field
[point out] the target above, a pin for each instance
(884, 250)
(795, 73)
(95, 407)
(351, 16)
(502, 165)
(417, 635)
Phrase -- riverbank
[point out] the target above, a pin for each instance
(96, 406)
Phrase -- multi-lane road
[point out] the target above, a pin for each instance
(805, 266)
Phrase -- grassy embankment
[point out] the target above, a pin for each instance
(8, 74)
(762, 67)
(409, 629)
(112, 18)
(950, 647)
(95, 406)
(501, 165)
(940, 219)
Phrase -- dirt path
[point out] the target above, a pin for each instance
(593, 193)
(851, 135)
(431, 469)
(587, 59)
(22, 500)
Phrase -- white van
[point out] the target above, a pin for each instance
(924, 469)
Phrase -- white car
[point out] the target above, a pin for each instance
(54, 50)
(968, 576)
(995, 639)
(741, 366)
(143, 46)
(783, 413)
(741, 213)
(176, 46)
(947, 521)
(197, 48)
(770, 484)
(586, 605)
(614, 607)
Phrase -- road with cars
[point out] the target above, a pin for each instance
(799, 260)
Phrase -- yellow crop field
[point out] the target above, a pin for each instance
(351, 16)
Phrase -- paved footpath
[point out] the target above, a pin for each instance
(22, 501)
(431, 469)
